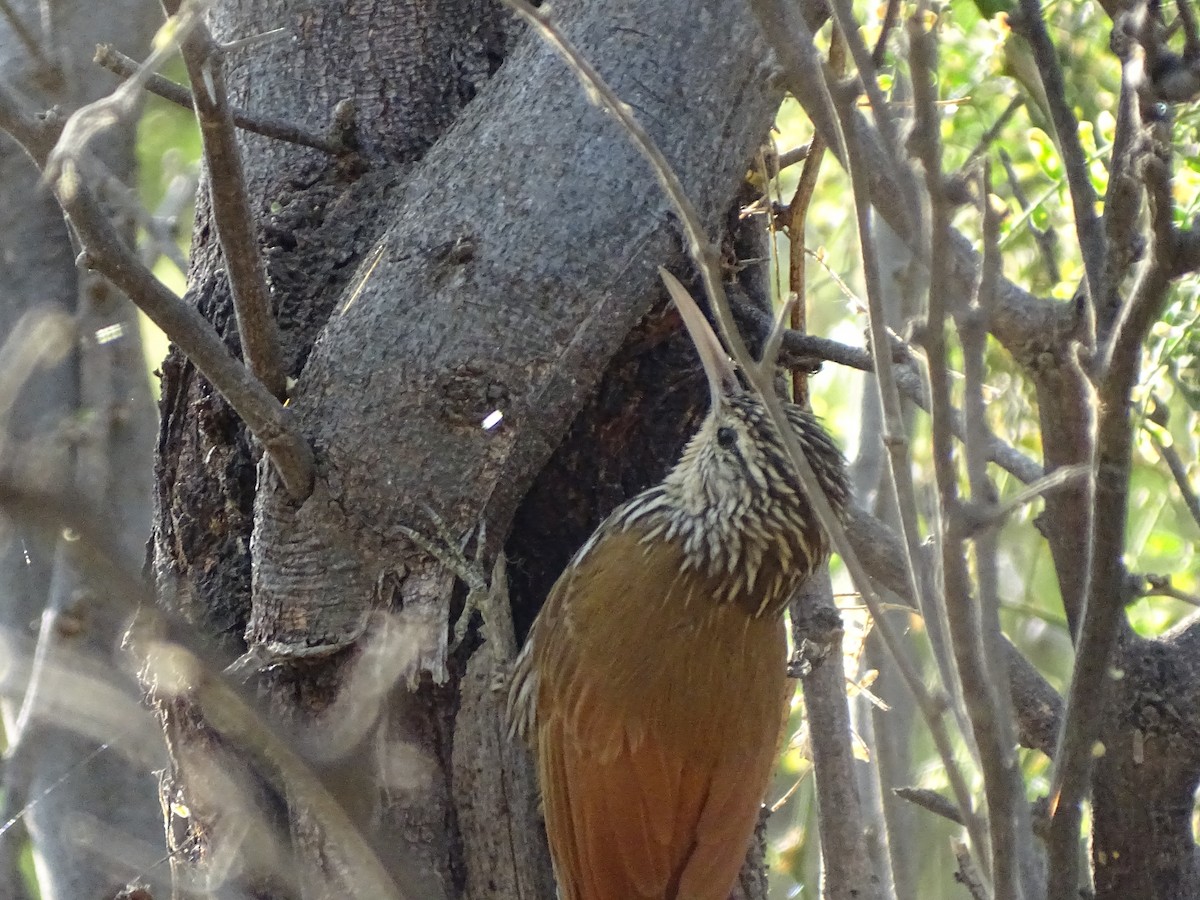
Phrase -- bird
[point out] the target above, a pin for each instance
(653, 686)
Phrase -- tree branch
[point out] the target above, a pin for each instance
(993, 132)
(1009, 857)
(104, 251)
(276, 129)
(1123, 201)
(1046, 239)
(236, 231)
(1092, 243)
(1008, 804)
(817, 633)
(1178, 471)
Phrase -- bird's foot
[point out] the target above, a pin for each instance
(487, 593)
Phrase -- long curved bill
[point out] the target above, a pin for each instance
(717, 366)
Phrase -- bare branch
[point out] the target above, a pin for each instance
(817, 626)
(1090, 231)
(160, 237)
(1160, 586)
(276, 129)
(793, 156)
(257, 327)
(976, 518)
(797, 218)
(1046, 239)
(1007, 802)
(1107, 591)
(843, 12)
(1010, 858)
(985, 141)
(931, 801)
(890, 16)
(104, 251)
(1123, 201)
(1178, 471)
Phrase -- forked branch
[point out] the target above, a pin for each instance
(57, 148)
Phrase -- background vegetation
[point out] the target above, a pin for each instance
(1000, 149)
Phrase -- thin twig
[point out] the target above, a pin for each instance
(797, 219)
(1123, 200)
(1092, 241)
(104, 251)
(843, 12)
(931, 801)
(994, 132)
(1046, 239)
(257, 328)
(890, 16)
(791, 157)
(998, 512)
(276, 129)
(999, 857)
(1160, 586)
(1006, 804)
(1178, 471)
(160, 239)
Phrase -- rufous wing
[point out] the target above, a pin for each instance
(655, 736)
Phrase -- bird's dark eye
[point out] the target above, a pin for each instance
(726, 436)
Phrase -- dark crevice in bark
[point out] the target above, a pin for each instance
(650, 400)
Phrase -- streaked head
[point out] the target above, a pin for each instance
(735, 490)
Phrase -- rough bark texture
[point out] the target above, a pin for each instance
(87, 422)
(1145, 780)
(517, 261)
(407, 71)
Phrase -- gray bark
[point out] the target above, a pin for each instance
(95, 824)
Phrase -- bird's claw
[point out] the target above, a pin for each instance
(482, 587)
